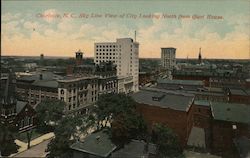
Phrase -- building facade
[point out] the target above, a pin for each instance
(78, 93)
(124, 53)
(168, 60)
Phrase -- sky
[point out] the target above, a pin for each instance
(61, 27)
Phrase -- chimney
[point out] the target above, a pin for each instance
(41, 76)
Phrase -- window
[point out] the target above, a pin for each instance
(69, 107)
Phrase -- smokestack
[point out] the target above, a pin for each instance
(135, 35)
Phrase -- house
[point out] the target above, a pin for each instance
(96, 145)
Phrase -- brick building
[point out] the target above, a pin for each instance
(230, 121)
(169, 109)
(239, 96)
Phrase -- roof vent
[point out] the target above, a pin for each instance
(98, 138)
(158, 97)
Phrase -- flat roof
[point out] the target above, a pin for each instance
(181, 82)
(231, 112)
(173, 101)
(237, 91)
(135, 149)
(44, 83)
(202, 102)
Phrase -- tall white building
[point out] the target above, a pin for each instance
(125, 54)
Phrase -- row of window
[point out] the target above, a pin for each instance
(114, 50)
(71, 107)
(107, 46)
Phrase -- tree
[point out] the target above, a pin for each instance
(128, 126)
(49, 112)
(166, 141)
(67, 131)
(7, 139)
(109, 106)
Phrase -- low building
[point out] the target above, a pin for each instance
(230, 121)
(238, 96)
(136, 149)
(96, 145)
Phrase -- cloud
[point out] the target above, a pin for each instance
(9, 17)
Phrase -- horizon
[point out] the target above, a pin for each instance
(62, 29)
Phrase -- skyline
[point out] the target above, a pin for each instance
(24, 33)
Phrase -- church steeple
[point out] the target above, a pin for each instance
(8, 96)
(200, 56)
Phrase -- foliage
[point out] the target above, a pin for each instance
(111, 105)
(49, 112)
(120, 111)
(166, 141)
(7, 139)
(126, 127)
(67, 131)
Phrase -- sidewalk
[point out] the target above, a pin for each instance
(24, 146)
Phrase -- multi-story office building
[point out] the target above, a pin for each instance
(78, 92)
(168, 60)
(124, 53)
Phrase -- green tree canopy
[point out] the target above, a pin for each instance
(127, 126)
(110, 105)
(67, 131)
(8, 134)
(49, 112)
(166, 141)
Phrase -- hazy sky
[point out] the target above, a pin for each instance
(25, 32)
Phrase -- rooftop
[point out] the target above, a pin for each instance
(231, 112)
(173, 101)
(237, 92)
(135, 149)
(202, 102)
(45, 83)
(20, 105)
(181, 82)
(98, 144)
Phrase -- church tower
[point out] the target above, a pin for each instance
(8, 99)
(199, 58)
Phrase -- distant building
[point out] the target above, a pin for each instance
(168, 60)
(124, 53)
(79, 57)
(199, 57)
